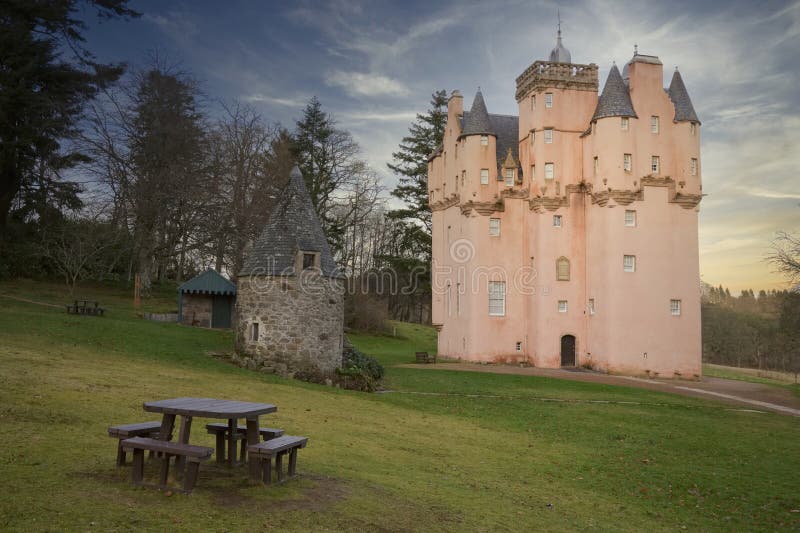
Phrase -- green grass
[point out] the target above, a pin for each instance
(473, 452)
(748, 375)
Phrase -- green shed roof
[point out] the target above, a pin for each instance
(209, 282)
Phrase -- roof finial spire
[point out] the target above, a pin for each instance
(558, 12)
(636, 49)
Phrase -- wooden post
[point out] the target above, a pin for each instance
(137, 302)
(253, 438)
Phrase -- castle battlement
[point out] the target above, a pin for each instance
(560, 75)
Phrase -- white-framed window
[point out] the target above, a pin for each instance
(596, 167)
(693, 128)
(591, 306)
(497, 298)
(548, 99)
(693, 166)
(533, 101)
(254, 332)
(494, 227)
(625, 123)
(484, 176)
(508, 174)
(654, 124)
(519, 346)
(562, 269)
(627, 162)
(630, 218)
(484, 140)
(655, 164)
(629, 263)
(675, 307)
(549, 171)
(548, 136)
(556, 221)
(562, 306)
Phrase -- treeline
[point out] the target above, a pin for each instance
(110, 173)
(749, 330)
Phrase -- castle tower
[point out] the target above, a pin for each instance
(290, 302)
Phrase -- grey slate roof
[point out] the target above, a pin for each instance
(209, 282)
(615, 101)
(506, 131)
(477, 122)
(684, 110)
(292, 226)
(560, 54)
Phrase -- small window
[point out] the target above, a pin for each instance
(693, 128)
(533, 102)
(497, 298)
(654, 124)
(562, 269)
(591, 306)
(655, 164)
(308, 260)
(625, 123)
(254, 332)
(629, 263)
(627, 162)
(484, 176)
(548, 136)
(596, 165)
(463, 177)
(509, 177)
(693, 166)
(548, 99)
(675, 307)
(630, 218)
(484, 140)
(548, 171)
(494, 227)
(533, 172)
(519, 346)
(456, 151)
(562, 306)
(557, 221)
(533, 137)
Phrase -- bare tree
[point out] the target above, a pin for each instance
(785, 255)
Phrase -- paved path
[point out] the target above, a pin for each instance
(756, 395)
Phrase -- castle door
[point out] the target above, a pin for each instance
(568, 350)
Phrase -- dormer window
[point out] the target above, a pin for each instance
(548, 136)
(654, 124)
(484, 140)
(307, 260)
(625, 123)
(548, 100)
(509, 177)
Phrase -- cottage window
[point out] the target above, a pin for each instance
(562, 306)
(675, 307)
(494, 227)
(627, 162)
(693, 165)
(655, 164)
(630, 218)
(548, 171)
(509, 176)
(254, 332)
(548, 136)
(484, 176)
(556, 221)
(497, 298)
(548, 100)
(484, 140)
(654, 124)
(629, 263)
(308, 261)
(562, 269)
(624, 123)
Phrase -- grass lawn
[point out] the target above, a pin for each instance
(751, 375)
(446, 450)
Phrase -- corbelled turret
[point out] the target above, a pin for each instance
(684, 110)
(476, 121)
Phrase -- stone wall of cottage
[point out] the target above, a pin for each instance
(300, 323)
(196, 310)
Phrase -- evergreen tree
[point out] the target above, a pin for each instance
(42, 95)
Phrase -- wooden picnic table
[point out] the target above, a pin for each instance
(82, 307)
(229, 410)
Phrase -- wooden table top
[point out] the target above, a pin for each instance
(209, 408)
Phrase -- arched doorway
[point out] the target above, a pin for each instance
(568, 350)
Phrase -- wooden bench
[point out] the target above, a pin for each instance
(126, 431)
(220, 430)
(82, 307)
(190, 453)
(277, 448)
(424, 358)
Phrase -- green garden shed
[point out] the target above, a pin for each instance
(207, 301)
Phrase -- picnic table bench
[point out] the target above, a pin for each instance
(82, 307)
(263, 452)
(425, 358)
(220, 430)
(192, 454)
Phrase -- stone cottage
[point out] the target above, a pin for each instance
(290, 303)
(206, 300)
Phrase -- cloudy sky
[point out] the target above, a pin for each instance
(374, 64)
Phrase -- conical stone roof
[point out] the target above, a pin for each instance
(615, 101)
(684, 110)
(477, 122)
(292, 226)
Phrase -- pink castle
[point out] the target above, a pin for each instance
(567, 236)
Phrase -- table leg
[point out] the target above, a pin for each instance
(232, 427)
(167, 424)
(183, 438)
(252, 438)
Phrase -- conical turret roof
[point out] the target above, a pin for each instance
(615, 101)
(684, 110)
(292, 226)
(477, 122)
